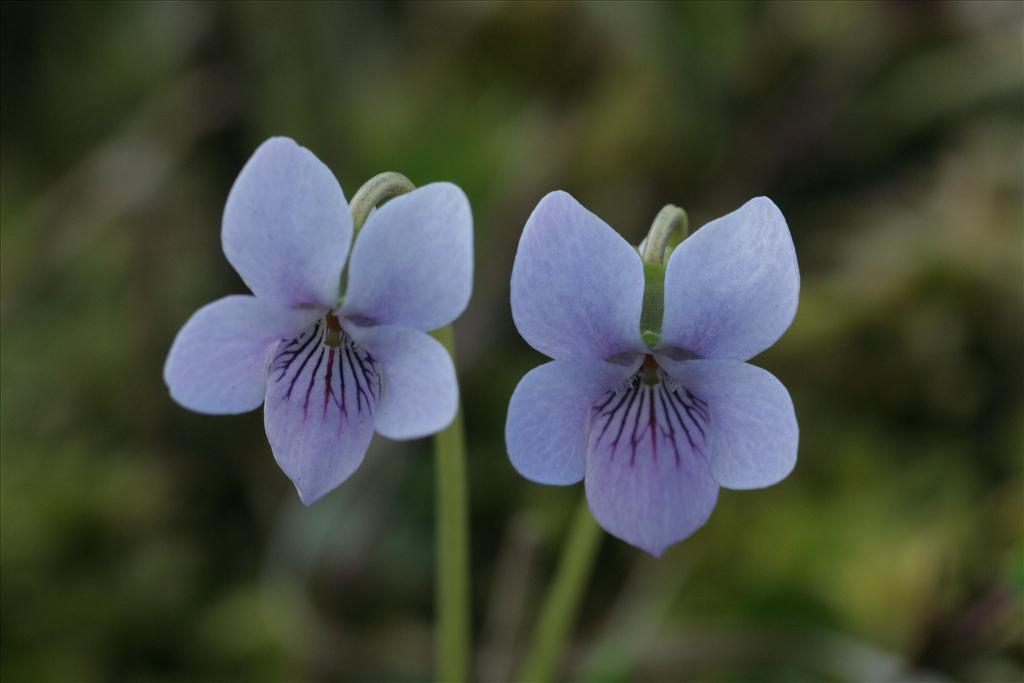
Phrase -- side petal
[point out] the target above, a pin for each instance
(420, 393)
(287, 227)
(731, 288)
(577, 286)
(412, 264)
(648, 481)
(218, 361)
(319, 410)
(755, 434)
(549, 418)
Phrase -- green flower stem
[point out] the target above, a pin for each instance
(452, 583)
(451, 509)
(563, 598)
(669, 229)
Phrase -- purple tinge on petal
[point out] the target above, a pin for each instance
(549, 417)
(218, 362)
(754, 424)
(648, 481)
(287, 227)
(412, 263)
(577, 286)
(731, 288)
(420, 393)
(319, 410)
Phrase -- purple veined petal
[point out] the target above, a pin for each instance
(577, 286)
(412, 263)
(648, 481)
(549, 417)
(420, 394)
(320, 409)
(755, 430)
(287, 226)
(731, 288)
(218, 362)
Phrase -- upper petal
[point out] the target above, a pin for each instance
(755, 433)
(731, 288)
(420, 393)
(549, 417)
(319, 410)
(218, 361)
(577, 286)
(412, 264)
(287, 227)
(648, 480)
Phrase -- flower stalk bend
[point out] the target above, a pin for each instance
(669, 228)
(374, 191)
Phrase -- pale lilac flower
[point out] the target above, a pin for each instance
(329, 375)
(653, 432)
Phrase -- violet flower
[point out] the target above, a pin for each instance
(653, 430)
(329, 375)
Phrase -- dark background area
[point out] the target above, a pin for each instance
(143, 542)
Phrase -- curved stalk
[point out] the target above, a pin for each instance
(377, 189)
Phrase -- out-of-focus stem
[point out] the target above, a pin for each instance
(452, 520)
(558, 612)
(451, 509)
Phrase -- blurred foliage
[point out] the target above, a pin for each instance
(142, 542)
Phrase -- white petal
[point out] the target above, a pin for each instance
(549, 418)
(577, 286)
(287, 226)
(320, 409)
(755, 434)
(412, 264)
(648, 480)
(420, 393)
(731, 288)
(218, 361)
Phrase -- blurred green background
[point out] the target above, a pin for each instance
(143, 542)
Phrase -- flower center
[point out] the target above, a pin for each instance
(650, 370)
(333, 336)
